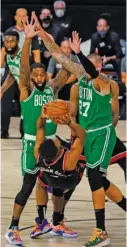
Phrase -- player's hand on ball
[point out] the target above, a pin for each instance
(62, 120)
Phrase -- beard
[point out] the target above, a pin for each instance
(12, 51)
(41, 88)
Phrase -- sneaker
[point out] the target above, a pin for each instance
(40, 229)
(13, 236)
(98, 239)
(62, 230)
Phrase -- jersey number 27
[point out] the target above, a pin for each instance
(83, 108)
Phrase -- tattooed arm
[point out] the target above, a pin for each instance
(60, 80)
(24, 82)
(57, 53)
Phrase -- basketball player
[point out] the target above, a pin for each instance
(34, 92)
(61, 169)
(97, 98)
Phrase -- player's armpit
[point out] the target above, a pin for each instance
(60, 80)
(115, 102)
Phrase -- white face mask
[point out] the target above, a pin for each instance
(59, 12)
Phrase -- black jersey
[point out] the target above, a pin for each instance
(54, 174)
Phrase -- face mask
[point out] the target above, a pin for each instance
(46, 21)
(59, 12)
(41, 88)
(103, 33)
(12, 51)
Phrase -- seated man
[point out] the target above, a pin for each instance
(106, 43)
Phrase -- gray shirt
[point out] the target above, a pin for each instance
(123, 64)
(54, 67)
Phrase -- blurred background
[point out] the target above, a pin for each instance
(60, 18)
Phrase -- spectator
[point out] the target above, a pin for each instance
(54, 67)
(20, 16)
(107, 44)
(13, 91)
(123, 70)
(61, 18)
(48, 25)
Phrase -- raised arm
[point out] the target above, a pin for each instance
(60, 80)
(56, 52)
(24, 82)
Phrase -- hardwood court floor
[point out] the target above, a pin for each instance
(79, 211)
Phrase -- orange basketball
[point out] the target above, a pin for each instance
(56, 108)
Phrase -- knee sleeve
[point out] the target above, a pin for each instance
(106, 183)
(57, 192)
(95, 179)
(68, 194)
(27, 187)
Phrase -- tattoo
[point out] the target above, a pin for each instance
(24, 76)
(59, 56)
(25, 67)
(60, 80)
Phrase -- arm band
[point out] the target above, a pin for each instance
(88, 65)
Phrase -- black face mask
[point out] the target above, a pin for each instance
(12, 51)
(41, 88)
(46, 21)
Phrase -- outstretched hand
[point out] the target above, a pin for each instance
(75, 42)
(30, 28)
(37, 23)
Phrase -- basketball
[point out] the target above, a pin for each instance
(56, 108)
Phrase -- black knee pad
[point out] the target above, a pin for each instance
(106, 183)
(57, 192)
(95, 179)
(27, 188)
(68, 194)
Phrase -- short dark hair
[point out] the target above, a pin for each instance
(37, 65)
(48, 150)
(46, 7)
(12, 33)
(103, 18)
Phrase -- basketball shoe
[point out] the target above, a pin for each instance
(62, 230)
(98, 239)
(40, 229)
(13, 236)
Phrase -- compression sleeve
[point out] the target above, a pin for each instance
(88, 65)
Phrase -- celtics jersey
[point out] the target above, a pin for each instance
(14, 65)
(94, 107)
(31, 111)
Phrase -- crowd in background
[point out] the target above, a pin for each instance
(104, 42)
